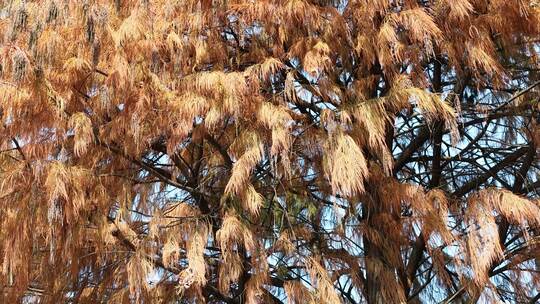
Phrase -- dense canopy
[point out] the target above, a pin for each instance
(270, 151)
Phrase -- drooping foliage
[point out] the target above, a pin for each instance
(289, 151)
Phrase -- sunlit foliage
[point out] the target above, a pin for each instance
(289, 151)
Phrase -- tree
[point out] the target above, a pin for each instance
(305, 151)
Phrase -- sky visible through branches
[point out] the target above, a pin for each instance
(274, 151)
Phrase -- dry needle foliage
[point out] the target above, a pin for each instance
(269, 151)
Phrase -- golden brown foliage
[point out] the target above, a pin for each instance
(295, 151)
